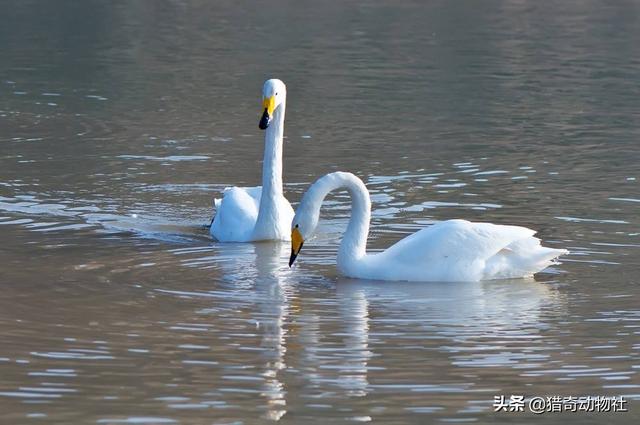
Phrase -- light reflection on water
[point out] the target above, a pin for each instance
(242, 326)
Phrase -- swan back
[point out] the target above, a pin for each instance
(459, 250)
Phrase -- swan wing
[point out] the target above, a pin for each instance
(457, 239)
(236, 214)
(462, 250)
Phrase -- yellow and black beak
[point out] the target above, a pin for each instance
(296, 244)
(269, 105)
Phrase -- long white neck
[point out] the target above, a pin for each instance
(354, 243)
(272, 167)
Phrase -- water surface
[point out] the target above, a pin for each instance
(120, 122)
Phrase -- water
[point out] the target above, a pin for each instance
(120, 122)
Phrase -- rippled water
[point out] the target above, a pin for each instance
(120, 122)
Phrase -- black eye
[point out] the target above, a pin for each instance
(296, 226)
(276, 93)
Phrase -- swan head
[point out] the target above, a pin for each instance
(274, 93)
(302, 227)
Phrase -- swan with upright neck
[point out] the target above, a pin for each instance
(452, 250)
(246, 214)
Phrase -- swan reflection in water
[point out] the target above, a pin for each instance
(283, 317)
(274, 290)
(470, 321)
(315, 334)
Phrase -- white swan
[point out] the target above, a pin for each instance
(246, 214)
(452, 250)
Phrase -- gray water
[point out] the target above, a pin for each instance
(121, 121)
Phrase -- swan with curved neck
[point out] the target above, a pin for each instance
(259, 213)
(452, 250)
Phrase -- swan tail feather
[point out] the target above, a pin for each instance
(521, 258)
(216, 206)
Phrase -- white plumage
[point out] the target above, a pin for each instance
(452, 250)
(246, 214)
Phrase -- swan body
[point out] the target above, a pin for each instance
(246, 214)
(452, 250)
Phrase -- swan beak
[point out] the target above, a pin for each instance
(296, 245)
(269, 105)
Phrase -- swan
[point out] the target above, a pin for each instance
(246, 214)
(452, 250)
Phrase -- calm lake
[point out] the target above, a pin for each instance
(121, 121)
